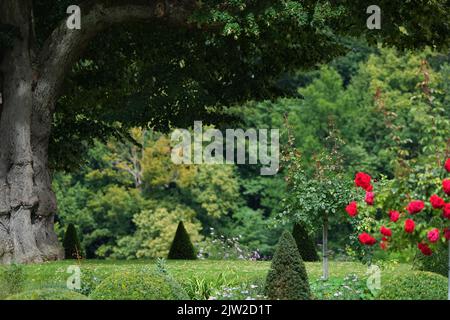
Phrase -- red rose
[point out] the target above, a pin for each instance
(369, 188)
(447, 165)
(386, 231)
(433, 235)
(363, 180)
(415, 206)
(447, 233)
(394, 215)
(409, 226)
(369, 198)
(446, 211)
(446, 186)
(437, 202)
(352, 209)
(367, 239)
(425, 249)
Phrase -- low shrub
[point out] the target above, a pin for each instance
(48, 294)
(414, 285)
(437, 263)
(12, 280)
(138, 285)
(351, 287)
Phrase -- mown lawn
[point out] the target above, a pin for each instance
(54, 274)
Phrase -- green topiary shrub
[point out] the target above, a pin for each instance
(287, 278)
(414, 285)
(305, 244)
(71, 243)
(182, 247)
(139, 285)
(48, 294)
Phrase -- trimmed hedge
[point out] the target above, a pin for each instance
(48, 294)
(287, 278)
(71, 243)
(182, 247)
(415, 285)
(139, 285)
(306, 246)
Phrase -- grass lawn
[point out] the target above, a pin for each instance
(210, 272)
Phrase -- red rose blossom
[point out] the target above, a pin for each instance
(433, 235)
(369, 198)
(415, 206)
(352, 209)
(446, 186)
(446, 211)
(446, 232)
(425, 249)
(386, 231)
(394, 216)
(437, 202)
(369, 188)
(409, 226)
(363, 180)
(447, 165)
(367, 239)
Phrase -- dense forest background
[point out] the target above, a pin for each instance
(390, 109)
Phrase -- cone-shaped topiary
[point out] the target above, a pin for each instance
(182, 247)
(305, 244)
(287, 278)
(71, 243)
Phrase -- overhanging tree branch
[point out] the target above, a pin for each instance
(64, 46)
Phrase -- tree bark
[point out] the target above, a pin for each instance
(18, 199)
(27, 202)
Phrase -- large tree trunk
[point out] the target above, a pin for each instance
(26, 234)
(29, 87)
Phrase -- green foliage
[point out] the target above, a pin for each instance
(143, 284)
(48, 294)
(287, 278)
(71, 243)
(182, 247)
(415, 285)
(306, 246)
(350, 287)
(437, 263)
(12, 280)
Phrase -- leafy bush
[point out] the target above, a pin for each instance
(437, 263)
(89, 281)
(71, 243)
(48, 294)
(350, 287)
(143, 284)
(243, 291)
(305, 244)
(222, 248)
(414, 285)
(12, 280)
(182, 247)
(287, 278)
